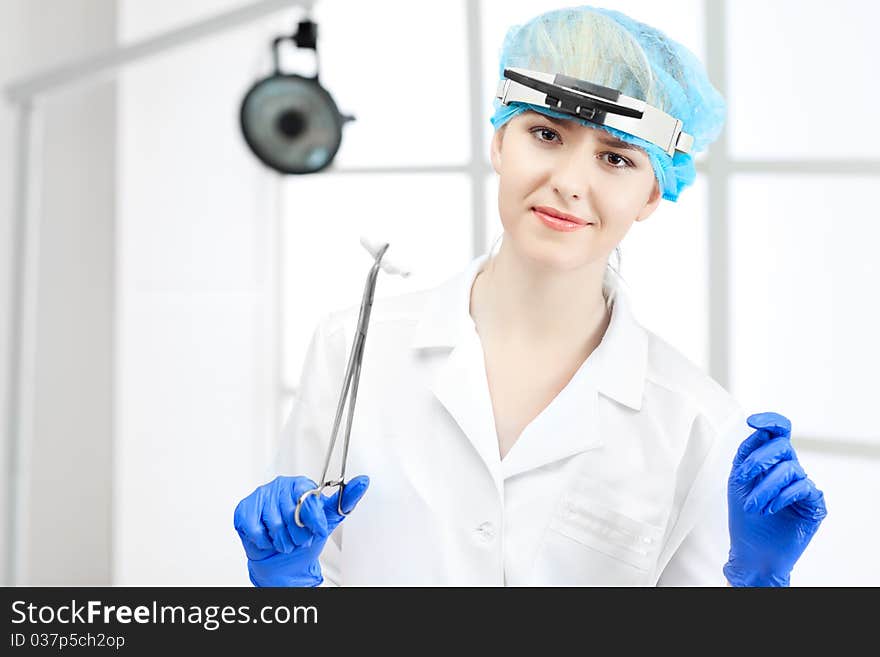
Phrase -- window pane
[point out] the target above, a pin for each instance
(407, 88)
(850, 485)
(425, 218)
(681, 20)
(805, 317)
(664, 263)
(813, 59)
(494, 229)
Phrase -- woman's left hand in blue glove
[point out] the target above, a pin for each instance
(773, 508)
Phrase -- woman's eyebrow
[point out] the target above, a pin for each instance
(614, 142)
(604, 137)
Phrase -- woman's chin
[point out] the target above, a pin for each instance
(552, 256)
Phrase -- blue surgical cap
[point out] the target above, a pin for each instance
(611, 49)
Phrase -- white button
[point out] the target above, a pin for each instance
(485, 531)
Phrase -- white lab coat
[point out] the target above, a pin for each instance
(620, 481)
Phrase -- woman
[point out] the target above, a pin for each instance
(518, 425)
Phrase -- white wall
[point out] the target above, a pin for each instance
(197, 384)
(64, 537)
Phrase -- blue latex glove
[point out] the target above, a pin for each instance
(279, 552)
(773, 508)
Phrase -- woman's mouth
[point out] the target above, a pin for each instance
(562, 225)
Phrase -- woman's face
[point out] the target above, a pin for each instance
(576, 170)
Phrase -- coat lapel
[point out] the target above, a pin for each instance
(460, 385)
(570, 424)
(456, 374)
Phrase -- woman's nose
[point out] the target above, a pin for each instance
(572, 176)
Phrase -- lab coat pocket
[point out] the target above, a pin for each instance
(603, 529)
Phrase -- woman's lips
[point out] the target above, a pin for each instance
(562, 225)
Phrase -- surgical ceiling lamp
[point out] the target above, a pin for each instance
(290, 122)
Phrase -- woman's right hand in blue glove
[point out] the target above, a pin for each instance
(279, 552)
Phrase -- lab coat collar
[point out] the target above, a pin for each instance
(617, 368)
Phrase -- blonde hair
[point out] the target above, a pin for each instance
(590, 46)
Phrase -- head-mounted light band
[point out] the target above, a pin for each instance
(594, 103)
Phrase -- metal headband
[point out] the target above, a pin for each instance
(595, 103)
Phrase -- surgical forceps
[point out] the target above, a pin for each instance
(352, 376)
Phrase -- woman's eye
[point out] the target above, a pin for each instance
(614, 160)
(543, 132)
(617, 161)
